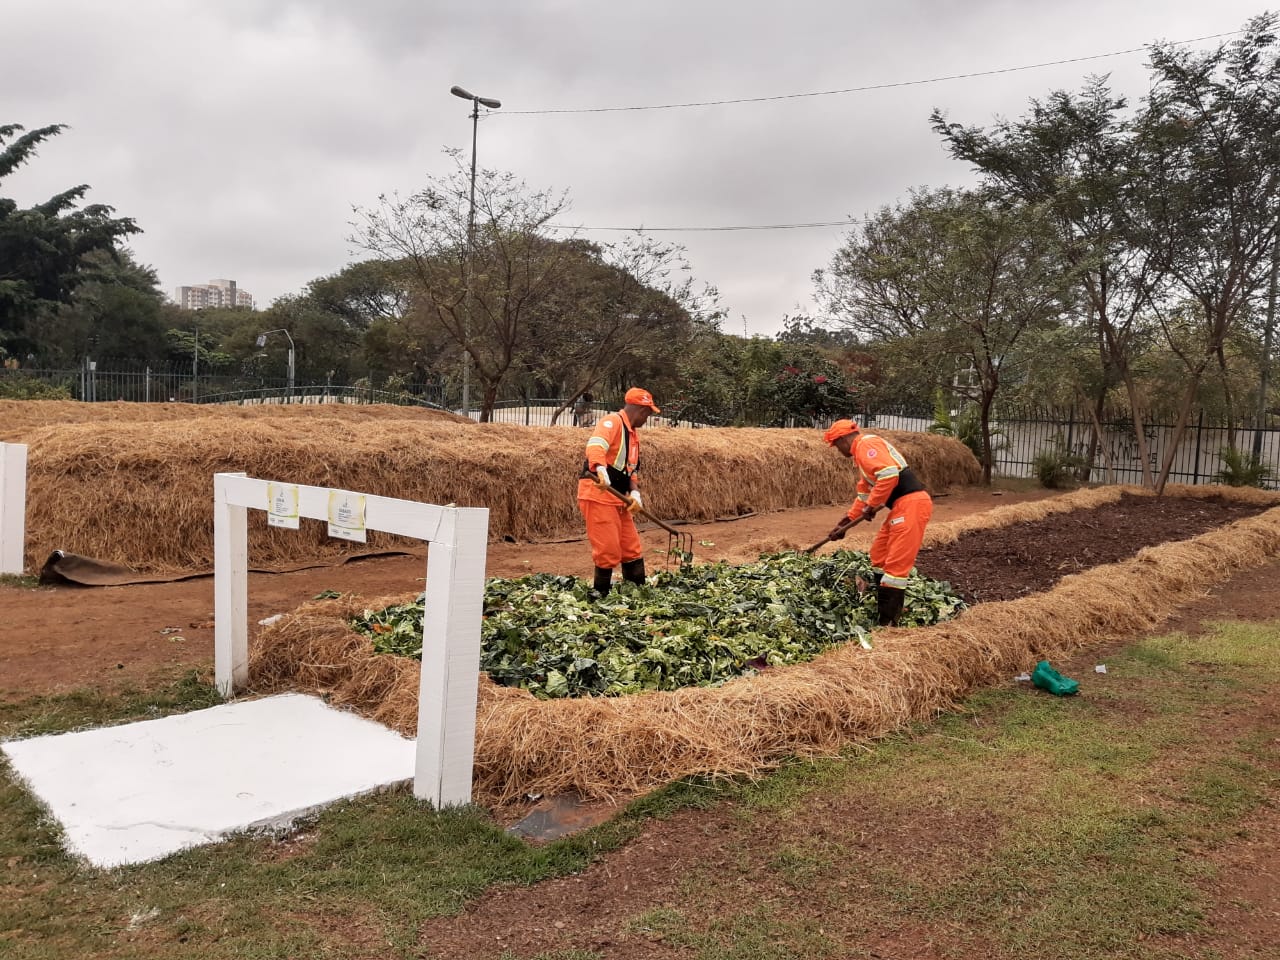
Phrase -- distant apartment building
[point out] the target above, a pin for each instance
(215, 293)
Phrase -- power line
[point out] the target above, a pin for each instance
(760, 226)
(863, 89)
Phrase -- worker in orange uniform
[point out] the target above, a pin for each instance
(884, 480)
(613, 459)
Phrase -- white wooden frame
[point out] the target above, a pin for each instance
(13, 506)
(458, 543)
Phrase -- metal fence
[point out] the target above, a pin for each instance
(142, 383)
(1020, 435)
(538, 413)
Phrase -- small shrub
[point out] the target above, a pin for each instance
(29, 388)
(1057, 468)
(1240, 469)
(965, 426)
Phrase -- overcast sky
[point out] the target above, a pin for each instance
(239, 133)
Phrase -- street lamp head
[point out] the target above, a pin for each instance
(468, 95)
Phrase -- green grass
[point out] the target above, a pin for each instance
(91, 708)
(759, 934)
(1100, 817)
(20, 580)
(1081, 824)
(378, 865)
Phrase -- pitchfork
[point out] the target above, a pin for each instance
(680, 544)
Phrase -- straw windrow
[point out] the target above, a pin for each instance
(18, 418)
(601, 747)
(139, 492)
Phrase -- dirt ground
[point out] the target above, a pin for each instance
(55, 638)
(58, 638)
(1012, 562)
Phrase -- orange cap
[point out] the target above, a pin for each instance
(841, 428)
(641, 398)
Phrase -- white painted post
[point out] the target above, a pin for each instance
(230, 589)
(449, 686)
(13, 506)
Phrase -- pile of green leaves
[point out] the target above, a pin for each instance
(699, 626)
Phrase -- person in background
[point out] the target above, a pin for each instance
(582, 409)
(884, 480)
(613, 460)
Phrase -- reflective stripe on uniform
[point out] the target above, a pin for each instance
(890, 471)
(620, 461)
(898, 583)
(600, 442)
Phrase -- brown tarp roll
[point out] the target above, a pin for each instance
(69, 568)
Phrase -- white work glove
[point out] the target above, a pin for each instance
(636, 502)
(602, 475)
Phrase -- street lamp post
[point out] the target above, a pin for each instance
(262, 342)
(1268, 333)
(476, 103)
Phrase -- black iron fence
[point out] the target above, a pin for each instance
(145, 383)
(1021, 435)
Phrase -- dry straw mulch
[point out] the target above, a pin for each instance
(18, 418)
(140, 492)
(603, 747)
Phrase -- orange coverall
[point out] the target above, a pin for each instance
(610, 527)
(896, 544)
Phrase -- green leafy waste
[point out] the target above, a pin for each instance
(698, 626)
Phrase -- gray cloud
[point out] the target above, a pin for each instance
(239, 134)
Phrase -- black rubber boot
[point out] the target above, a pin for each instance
(888, 605)
(633, 570)
(604, 580)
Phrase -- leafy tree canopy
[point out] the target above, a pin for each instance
(43, 248)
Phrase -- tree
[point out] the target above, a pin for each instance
(326, 342)
(756, 381)
(364, 293)
(43, 248)
(964, 278)
(622, 307)
(1074, 155)
(1207, 207)
(547, 314)
(480, 293)
(116, 312)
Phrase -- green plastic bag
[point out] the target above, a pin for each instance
(1047, 678)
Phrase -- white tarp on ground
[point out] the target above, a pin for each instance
(141, 791)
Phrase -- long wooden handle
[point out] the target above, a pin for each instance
(846, 526)
(642, 511)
